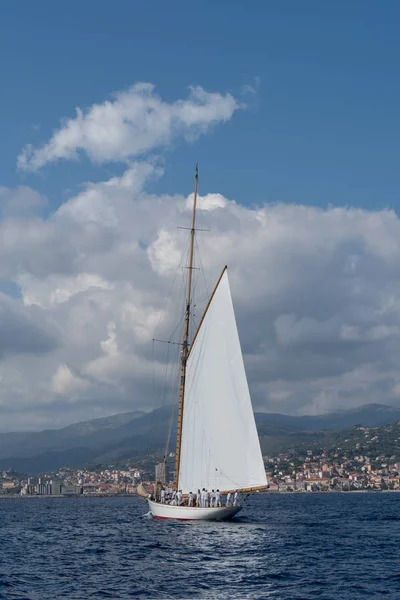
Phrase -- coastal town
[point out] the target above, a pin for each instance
(363, 461)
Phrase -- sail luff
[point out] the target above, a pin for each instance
(206, 309)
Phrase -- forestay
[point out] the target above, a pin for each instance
(220, 447)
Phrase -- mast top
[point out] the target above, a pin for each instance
(196, 181)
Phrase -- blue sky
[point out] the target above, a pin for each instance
(323, 127)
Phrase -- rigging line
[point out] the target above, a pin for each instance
(201, 302)
(171, 373)
(167, 298)
(197, 295)
(201, 252)
(173, 390)
(167, 342)
(181, 320)
(154, 376)
(198, 300)
(182, 292)
(164, 378)
(168, 373)
(177, 325)
(194, 291)
(172, 415)
(193, 323)
(201, 267)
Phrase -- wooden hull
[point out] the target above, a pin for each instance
(189, 513)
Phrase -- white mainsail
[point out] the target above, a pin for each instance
(220, 447)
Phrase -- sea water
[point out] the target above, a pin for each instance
(302, 546)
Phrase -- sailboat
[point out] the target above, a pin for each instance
(217, 446)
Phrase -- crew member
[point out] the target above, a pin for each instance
(212, 499)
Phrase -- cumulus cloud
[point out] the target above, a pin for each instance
(23, 331)
(21, 201)
(132, 123)
(316, 293)
(65, 383)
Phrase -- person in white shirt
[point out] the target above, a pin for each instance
(217, 498)
(212, 499)
(203, 498)
(235, 498)
(162, 496)
(228, 499)
(179, 498)
(190, 499)
(198, 499)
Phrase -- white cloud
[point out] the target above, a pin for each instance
(316, 291)
(133, 123)
(65, 383)
(22, 201)
(164, 253)
(24, 331)
(56, 289)
(317, 296)
(208, 202)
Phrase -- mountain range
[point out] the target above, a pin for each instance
(128, 435)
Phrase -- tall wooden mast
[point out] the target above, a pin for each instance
(185, 348)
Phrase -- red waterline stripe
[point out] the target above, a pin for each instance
(172, 518)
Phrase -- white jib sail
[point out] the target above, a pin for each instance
(220, 447)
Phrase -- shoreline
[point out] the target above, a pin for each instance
(266, 493)
(67, 496)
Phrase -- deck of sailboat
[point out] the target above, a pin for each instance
(192, 513)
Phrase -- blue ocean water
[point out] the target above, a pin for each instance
(283, 547)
